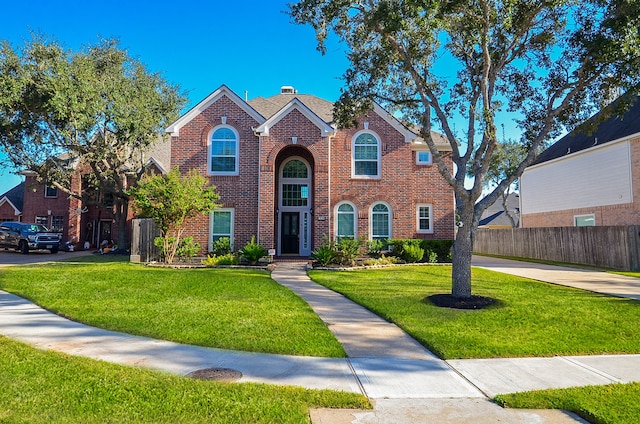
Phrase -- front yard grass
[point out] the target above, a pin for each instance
(44, 387)
(241, 309)
(530, 318)
(614, 403)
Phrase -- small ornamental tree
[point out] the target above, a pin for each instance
(171, 200)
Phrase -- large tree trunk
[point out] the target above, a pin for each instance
(461, 262)
(461, 254)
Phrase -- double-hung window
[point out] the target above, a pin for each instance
(424, 217)
(366, 156)
(223, 149)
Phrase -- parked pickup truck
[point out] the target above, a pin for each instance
(25, 237)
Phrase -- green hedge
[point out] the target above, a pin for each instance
(442, 248)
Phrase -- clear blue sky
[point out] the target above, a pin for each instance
(249, 45)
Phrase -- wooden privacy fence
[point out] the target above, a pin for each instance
(143, 232)
(606, 247)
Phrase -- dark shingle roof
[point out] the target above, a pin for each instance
(15, 196)
(613, 128)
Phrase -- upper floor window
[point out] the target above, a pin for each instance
(380, 222)
(50, 191)
(223, 152)
(366, 156)
(345, 220)
(424, 218)
(423, 157)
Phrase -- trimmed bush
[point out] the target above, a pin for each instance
(222, 246)
(412, 253)
(216, 260)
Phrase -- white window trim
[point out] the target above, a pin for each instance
(47, 186)
(209, 153)
(231, 235)
(422, 162)
(355, 219)
(587, 215)
(390, 219)
(353, 156)
(418, 229)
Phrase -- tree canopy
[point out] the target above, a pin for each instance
(97, 108)
(457, 66)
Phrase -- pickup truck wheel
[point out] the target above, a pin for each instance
(53, 250)
(23, 247)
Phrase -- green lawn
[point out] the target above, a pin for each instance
(530, 319)
(241, 309)
(612, 404)
(44, 387)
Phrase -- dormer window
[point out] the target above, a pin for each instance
(223, 149)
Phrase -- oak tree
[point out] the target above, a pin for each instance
(96, 112)
(457, 66)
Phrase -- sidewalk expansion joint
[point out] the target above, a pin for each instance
(355, 375)
(591, 369)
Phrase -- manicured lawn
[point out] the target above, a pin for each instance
(634, 274)
(224, 308)
(44, 387)
(530, 318)
(612, 404)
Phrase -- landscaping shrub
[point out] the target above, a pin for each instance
(441, 248)
(374, 248)
(216, 260)
(412, 253)
(348, 250)
(222, 246)
(253, 251)
(325, 254)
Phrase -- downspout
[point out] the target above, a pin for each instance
(259, 186)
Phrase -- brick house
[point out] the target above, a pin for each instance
(79, 223)
(287, 175)
(11, 203)
(587, 178)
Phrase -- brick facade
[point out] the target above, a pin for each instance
(267, 140)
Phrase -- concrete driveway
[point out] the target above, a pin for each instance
(11, 257)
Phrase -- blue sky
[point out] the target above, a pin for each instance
(249, 45)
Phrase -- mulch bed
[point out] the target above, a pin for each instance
(449, 301)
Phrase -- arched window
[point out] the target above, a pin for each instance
(345, 220)
(295, 169)
(223, 152)
(366, 156)
(380, 221)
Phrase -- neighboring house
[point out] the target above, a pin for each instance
(287, 175)
(11, 204)
(79, 223)
(587, 178)
(495, 217)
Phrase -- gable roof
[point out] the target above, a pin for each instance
(15, 197)
(296, 104)
(269, 106)
(495, 215)
(616, 127)
(223, 90)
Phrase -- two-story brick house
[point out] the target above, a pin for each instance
(287, 175)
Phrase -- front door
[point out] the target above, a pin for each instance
(290, 233)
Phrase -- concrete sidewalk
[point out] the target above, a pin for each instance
(405, 381)
(586, 279)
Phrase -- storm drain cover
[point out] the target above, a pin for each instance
(216, 374)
